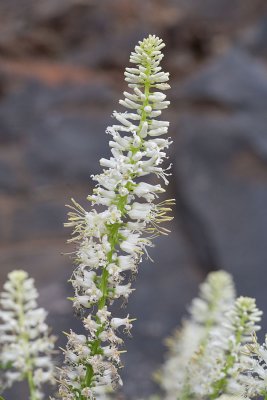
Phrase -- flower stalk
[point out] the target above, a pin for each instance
(181, 376)
(111, 243)
(26, 345)
(214, 355)
(242, 321)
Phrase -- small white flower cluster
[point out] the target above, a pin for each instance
(216, 296)
(179, 375)
(112, 241)
(224, 350)
(26, 345)
(205, 357)
(252, 379)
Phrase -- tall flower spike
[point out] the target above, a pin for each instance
(113, 241)
(26, 346)
(225, 350)
(180, 374)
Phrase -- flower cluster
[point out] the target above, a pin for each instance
(251, 381)
(179, 376)
(221, 367)
(207, 355)
(25, 342)
(115, 233)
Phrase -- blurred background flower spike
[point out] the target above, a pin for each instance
(26, 346)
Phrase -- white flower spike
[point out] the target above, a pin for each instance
(113, 240)
(221, 366)
(26, 345)
(182, 374)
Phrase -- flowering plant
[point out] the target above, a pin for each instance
(113, 241)
(215, 355)
(26, 346)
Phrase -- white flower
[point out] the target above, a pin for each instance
(28, 350)
(127, 263)
(147, 191)
(117, 322)
(140, 211)
(123, 290)
(132, 242)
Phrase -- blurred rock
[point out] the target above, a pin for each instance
(254, 38)
(221, 166)
(16, 115)
(232, 81)
(62, 139)
(38, 220)
(68, 147)
(9, 180)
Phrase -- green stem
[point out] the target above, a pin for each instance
(186, 394)
(220, 385)
(89, 375)
(23, 335)
(31, 385)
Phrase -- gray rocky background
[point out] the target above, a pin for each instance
(61, 75)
